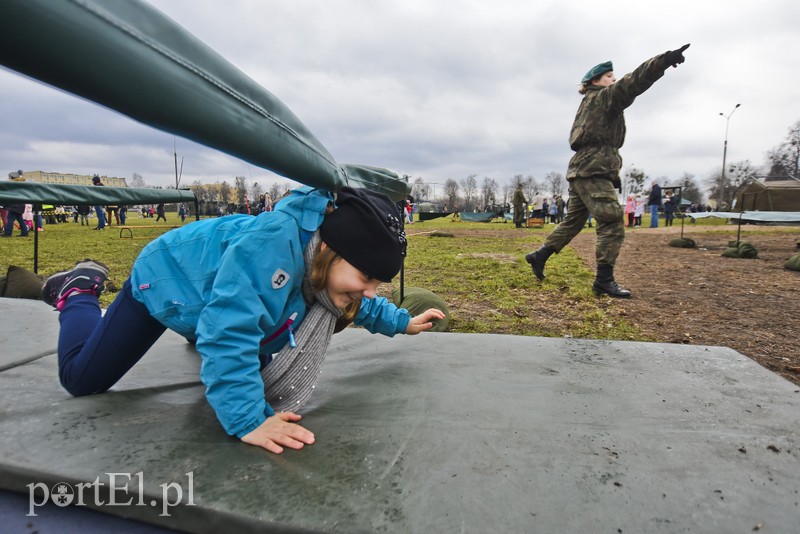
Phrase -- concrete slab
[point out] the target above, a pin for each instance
(437, 432)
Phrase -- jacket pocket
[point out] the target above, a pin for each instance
(605, 207)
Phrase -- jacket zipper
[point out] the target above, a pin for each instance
(285, 326)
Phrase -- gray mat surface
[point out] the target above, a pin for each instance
(436, 432)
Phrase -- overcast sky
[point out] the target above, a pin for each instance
(442, 89)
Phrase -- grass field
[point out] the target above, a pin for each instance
(480, 274)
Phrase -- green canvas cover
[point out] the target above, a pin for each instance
(477, 216)
(416, 300)
(130, 57)
(793, 263)
(682, 242)
(73, 195)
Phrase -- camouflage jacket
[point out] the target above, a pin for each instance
(599, 128)
(519, 198)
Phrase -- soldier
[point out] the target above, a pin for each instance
(593, 173)
(519, 201)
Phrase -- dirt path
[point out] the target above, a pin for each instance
(697, 296)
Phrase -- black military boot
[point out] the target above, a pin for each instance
(538, 258)
(604, 283)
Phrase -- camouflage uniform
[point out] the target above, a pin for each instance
(519, 202)
(593, 173)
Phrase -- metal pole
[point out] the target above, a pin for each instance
(724, 157)
(37, 215)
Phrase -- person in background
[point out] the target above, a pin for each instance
(27, 216)
(112, 210)
(15, 212)
(519, 201)
(654, 203)
(83, 212)
(597, 134)
(98, 210)
(3, 217)
(554, 210)
(639, 213)
(669, 208)
(630, 209)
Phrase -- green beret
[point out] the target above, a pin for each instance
(596, 71)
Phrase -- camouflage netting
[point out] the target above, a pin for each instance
(793, 263)
(744, 249)
(682, 242)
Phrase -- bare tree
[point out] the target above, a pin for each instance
(488, 192)
(555, 183)
(530, 186)
(200, 191)
(737, 175)
(256, 191)
(421, 190)
(635, 181)
(785, 159)
(508, 192)
(470, 187)
(137, 180)
(241, 189)
(225, 193)
(275, 191)
(690, 190)
(451, 192)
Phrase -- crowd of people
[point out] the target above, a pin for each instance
(27, 217)
(551, 210)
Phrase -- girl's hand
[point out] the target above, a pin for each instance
(280, 431)
(422, 322)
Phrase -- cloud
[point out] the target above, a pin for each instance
(450, 88)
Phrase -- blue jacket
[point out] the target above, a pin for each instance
(231, 284)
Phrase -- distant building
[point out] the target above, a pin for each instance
(71, 179)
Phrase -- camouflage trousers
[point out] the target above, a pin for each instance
(594, 195)
(519, 214)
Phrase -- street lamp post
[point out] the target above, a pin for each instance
(724, 156)
(434, 184)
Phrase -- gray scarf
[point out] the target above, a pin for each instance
(290, 378)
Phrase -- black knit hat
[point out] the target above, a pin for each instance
(366, 230)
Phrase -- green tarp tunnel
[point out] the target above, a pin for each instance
(70, 195)
(130, 57)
